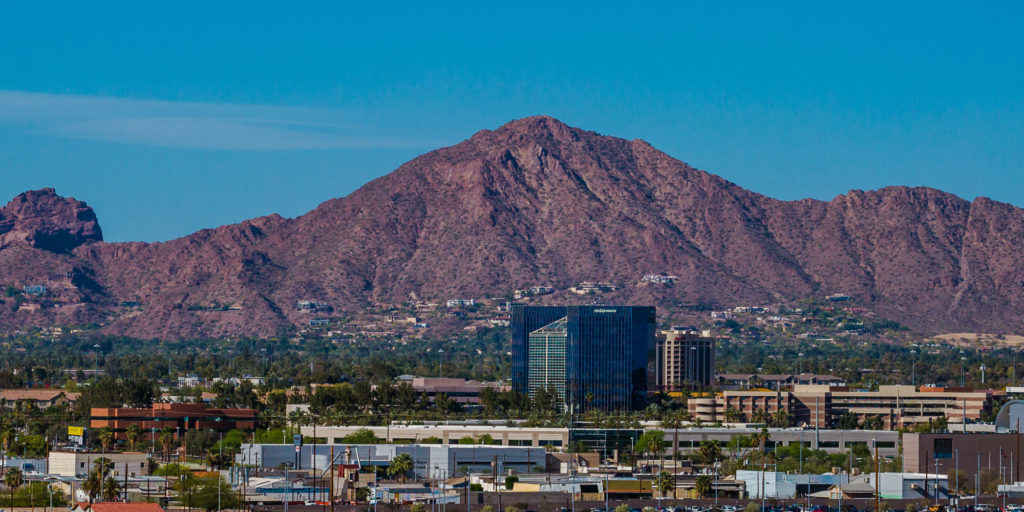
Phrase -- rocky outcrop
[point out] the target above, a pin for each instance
(44, 220)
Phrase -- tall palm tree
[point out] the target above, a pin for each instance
(13, 479)
(132, 434)
(102, 466)
(106, 437)
(7, 434)
(166, 440)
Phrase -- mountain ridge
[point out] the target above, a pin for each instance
(536, 201)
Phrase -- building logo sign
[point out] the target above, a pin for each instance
(606, 311)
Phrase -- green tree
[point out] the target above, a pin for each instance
(106, 437)
(111, 488)
(361, 436)
(401, 465)
(710, 451)
(650, 442)
(92, 485)
(206, 497)
(849, 421)
(702, 485)
(622, 508)
(102, 466)
(186, 487)
(733, 416)
(167, 442)
(13, 479)
(133, 433)
(665, 483)
(7, 434)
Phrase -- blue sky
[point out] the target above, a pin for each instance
(172, 117)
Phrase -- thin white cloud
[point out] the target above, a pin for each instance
(191, 125)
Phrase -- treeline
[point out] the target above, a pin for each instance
(32, 361)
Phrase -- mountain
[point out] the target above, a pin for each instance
(534, 202)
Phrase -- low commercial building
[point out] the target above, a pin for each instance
(991, 454)
(610, 442)
(823, 405)
(450, 434)
(891, 486)
(688, 440)
(460, 390)
(79, 464)
(429, 461)
(180, 417)
(774, 484)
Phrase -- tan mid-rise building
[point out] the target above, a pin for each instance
(893, 406)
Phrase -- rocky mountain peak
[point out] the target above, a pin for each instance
(45, 220)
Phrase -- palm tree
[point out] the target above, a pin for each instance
(166, 440)
(733, 416)
(102, 466)
(106, 437)
(92, 485)
(132, 434)
(665, 483)
(702, 486)
(111, 489)
(401, 465)
(781, 418)
(13, 479)
(709, 451)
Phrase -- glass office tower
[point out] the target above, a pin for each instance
(526, 319)
(547, 359)
(608, 360)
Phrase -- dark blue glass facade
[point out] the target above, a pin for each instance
(609, 353)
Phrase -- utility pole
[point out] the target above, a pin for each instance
(675, 466)
(220, 457)
(763, 468)
(878, 506)
(331, 468)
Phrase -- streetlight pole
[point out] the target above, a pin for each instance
(956, 475)
(718, 471)
(962, 375)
